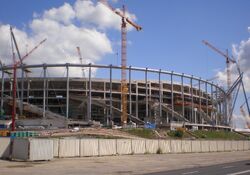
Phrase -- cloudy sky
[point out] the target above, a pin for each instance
(170, 39)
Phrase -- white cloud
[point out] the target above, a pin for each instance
(61, 28)
(99, 15)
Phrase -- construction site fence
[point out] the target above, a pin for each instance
(32, 149)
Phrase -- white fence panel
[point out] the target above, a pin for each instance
(107, 147)
(234, 145)
(186, 146)
(164, 145)
(196, 146)
(213, 146)
(89, 147)
(124, 146)
(41, 149)
(4, 148)
(138, 146)
(69, 147)
(56, 147)
(240, 145)
(205, 146)
(175, 146)
(152, 146)
(221, 145)
(228, 145)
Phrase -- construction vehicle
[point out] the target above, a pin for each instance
(124, 89)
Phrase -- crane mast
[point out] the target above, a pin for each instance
(229, 80)
(124, 88)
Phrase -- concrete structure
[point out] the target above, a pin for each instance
(169, 97)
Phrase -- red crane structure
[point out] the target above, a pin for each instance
(15, 65)
(124, 89)
(229, 80)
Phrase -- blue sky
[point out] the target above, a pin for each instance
(172, 31)
(171, 36)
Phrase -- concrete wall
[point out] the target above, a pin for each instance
(138, 146)
(186, 146)
(41, 149)
(89, 147)
(152, 146)
(32, 149)
(46, 149)
(124, 146)
(176, 146)
(69, 147)
(196, 146)
(107, 147)
(4, 148)
(164, 145)
(205, 146)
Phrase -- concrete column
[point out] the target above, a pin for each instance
(136, 99)
(160, 95)
(182, 95)
(22, 88)
(192, 99)
(130, 98)
(212, 101)
(67, 92)
(44, 90)
(110, 93)
(89, 111)
(201, 118)
(146, 83)
(2, 90)
(28, 90)
(172, 96)
(206, 101)
(217, 107)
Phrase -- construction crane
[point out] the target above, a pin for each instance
(15, 65)
(124, 89)
(228, 61)
(247, 117)
(80, 58)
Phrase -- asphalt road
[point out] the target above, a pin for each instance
(234, 168)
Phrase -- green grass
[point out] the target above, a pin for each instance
(224, 135)
(141, 132)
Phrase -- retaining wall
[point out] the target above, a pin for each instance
(46, 149)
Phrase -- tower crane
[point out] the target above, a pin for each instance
(15, 65)
(124, 89)
(80, 58)
(228, 61)
(247, 117)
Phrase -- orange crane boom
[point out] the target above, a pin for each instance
(80, 58)
(125, 20)
(228, 61)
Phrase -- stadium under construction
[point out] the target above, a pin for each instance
(165, 98)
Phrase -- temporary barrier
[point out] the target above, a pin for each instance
(124, 146)
(32, 149)
(4, 148)
(234, 145)
(213, 146)
(196, 146)
(176, 146)
(69, 147)
(138, 146)
(205, 146)
(240, 145)
(245, 145)
(228, 145)
(220, 145)
(107, 147)
(164, 146)
(89, 147)
(56, 147)
(186, 146)
(152, 146)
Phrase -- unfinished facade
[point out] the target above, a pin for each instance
(169, 97)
